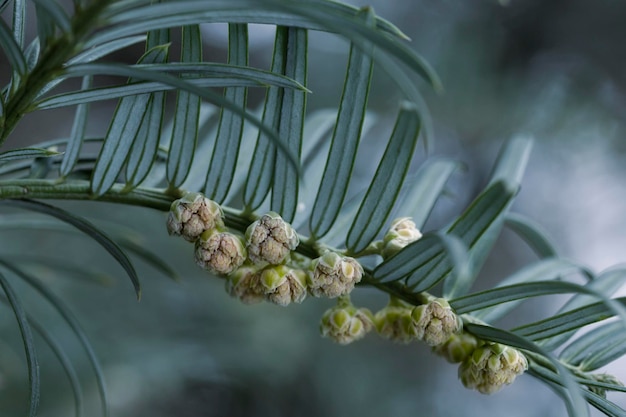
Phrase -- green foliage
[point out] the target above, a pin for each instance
(26, 153)
(386, 184)
(230, 128)
(29, 345)
(86, 227)
(72, 321)
(281, 162)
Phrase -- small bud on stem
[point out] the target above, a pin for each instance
(192, 215)
(345, 324)
(270, 239)
(219, 252)
(400, 234)
(491, 367)
(334, 275)
(282, 285)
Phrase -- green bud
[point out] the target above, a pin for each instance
(402, 223)
(270, 239)
(434, 322)
(282, 285)
(394, 322)
(457, 348)
(491, 367)
(219, 252)
(243, 284)
(604, 378)
(192, 215)
(345, 324)
(400, 234)
(334, 275)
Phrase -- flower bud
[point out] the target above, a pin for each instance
(219, 252)
(434, 322)
(243, 284)
(403, 223)
(192, 215)
(457, 348)
(492, 366)
(394, 322)
(334, 275)
(282, 285)
(606, 379)
(400, 234)
(345, 324)
(270, 239)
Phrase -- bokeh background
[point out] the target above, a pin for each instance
(553, 70)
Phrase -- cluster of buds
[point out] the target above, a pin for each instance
(198, 219)
(268, 244)
(274, 274)
(433, 322)
(486, 367)
(492, 366)
(345, 323)
(400, 234)
(331, 275)
(278, 284)
(262, 267)
(283, 280)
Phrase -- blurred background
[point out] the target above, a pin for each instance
(553, 70)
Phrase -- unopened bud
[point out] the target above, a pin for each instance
(457, 348)
(345, 323)
(192, 215)
(282, 285)
(403, 223)
(400, 234)
(334, 275)
(491, 367)
(605, 379)
(434, 322)
(394, 322)
(219, 252)
(270, 239)
(243, 284)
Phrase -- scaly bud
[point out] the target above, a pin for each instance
(457, 348)
(270, 239)
(192, 215)
(334, 275)
(345, 324)
(219, 252)
(434, 322)
(492, 366)
(606, 379)
(400, 234)
(282, 285)
(394, 322)
(243, 284)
